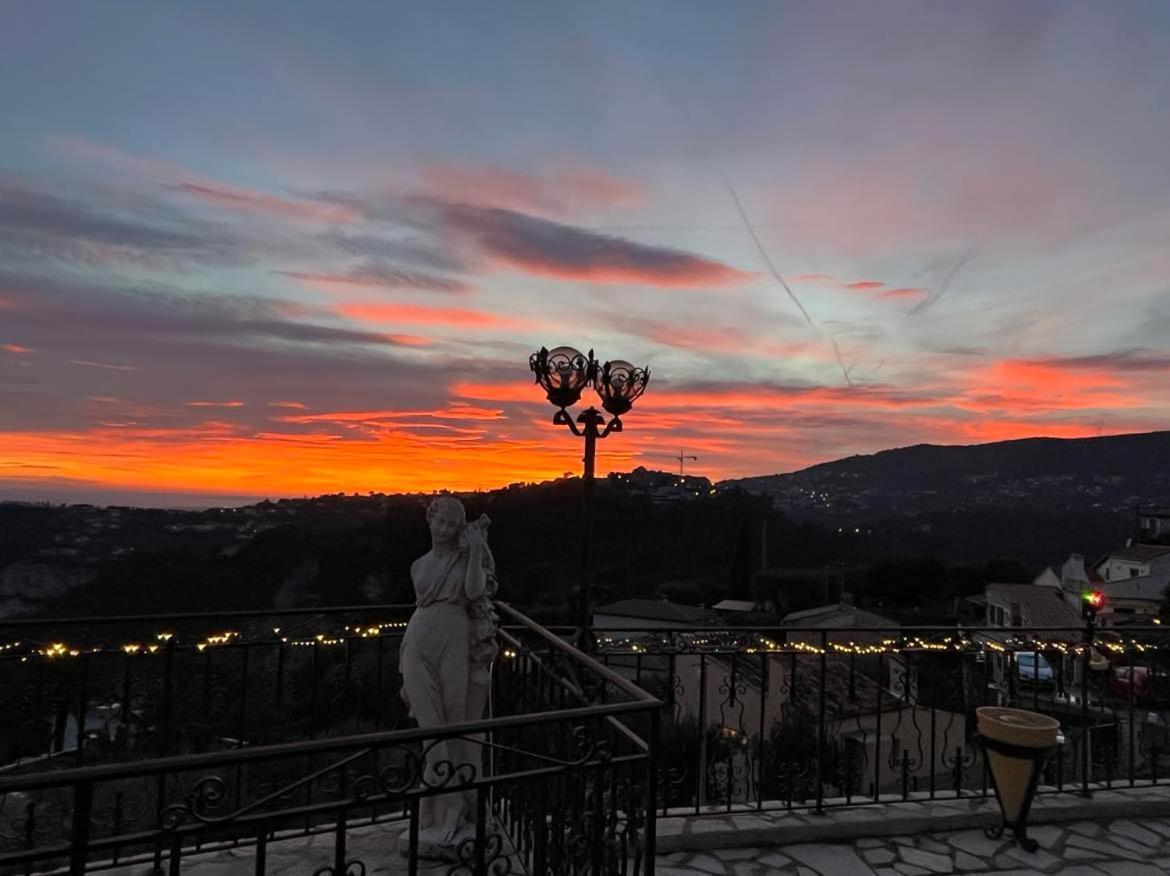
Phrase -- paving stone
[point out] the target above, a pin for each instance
(1161, 825)
(1048, 835)
(1081, 870)
(1127, 843)
(775, 859)
(869, 842)
(885, 871)
(911, 870)
(1126, 828)
(1039, 859)
(832, 860)
(902, 840)
(1071, 853)
(966, 862)
(748, 868)
(806, 871)
(1108, 849)
(930, 861)
(878, 856)
(975, 842)
(707, 864)
(932, 845)
(1130, 868)
(1086, 828)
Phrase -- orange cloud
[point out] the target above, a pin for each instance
(454, 412)
(865, 285)
(1016, 387)
(215, 404)
(903, 292)
(14, 348)
(423, 315)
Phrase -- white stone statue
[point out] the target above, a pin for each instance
(446, 659)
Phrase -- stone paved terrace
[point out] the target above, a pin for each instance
(1123, 832)
(1121, 847)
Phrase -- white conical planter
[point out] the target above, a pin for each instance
(1014, 775)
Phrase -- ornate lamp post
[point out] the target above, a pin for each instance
(563, 373)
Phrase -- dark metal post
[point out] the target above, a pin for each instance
(1086, 760)
(820, 810)
(79, 840)
(652, 790)
(590, 419)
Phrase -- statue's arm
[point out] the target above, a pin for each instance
(475, 583)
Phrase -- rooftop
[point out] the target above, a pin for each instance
(1140, 553)
(656, 609)
(840, 614)
(1039, 606)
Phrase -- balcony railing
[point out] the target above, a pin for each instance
(148, 740)
(774, 718)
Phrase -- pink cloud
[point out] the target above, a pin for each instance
(180, 179)
(559, 191)
(253, 201)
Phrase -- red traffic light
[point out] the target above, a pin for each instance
(1094, 600)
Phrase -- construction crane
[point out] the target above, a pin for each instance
(680, 456)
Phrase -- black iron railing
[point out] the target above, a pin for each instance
(786, 718)
(561, 778)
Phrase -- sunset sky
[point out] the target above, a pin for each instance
(271, 249)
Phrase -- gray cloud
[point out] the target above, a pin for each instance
(382, 275)
(412, 251)
(68, 229)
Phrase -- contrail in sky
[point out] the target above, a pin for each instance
(763, 253)
(946, 281)
(779, 279)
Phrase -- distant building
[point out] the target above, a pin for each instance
(662, 486)
(841, 618)
(1154, 525)
(1134, 580)
(643, 614)
(1134, 561)
(735, 605)
(1032, 605)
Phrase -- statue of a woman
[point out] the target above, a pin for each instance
(446, 658)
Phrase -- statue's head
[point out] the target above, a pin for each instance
(446, 518)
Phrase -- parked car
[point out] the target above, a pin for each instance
(1032, 668)
(1136, 682)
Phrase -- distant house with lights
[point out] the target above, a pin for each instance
(1154, 525)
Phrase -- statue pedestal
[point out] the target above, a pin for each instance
(439, 844)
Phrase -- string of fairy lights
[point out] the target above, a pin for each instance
(635, 644)
(58, 650)
(638, 645)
